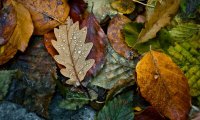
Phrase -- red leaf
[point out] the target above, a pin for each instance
(77, 8)
(150, 113)
(96, 35)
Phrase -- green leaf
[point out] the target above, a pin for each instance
(5, 80)
(184, 31)
(116, 68)
(187, 56)
(74, 100)
(131, 32)
(119, 108)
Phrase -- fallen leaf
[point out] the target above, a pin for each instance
(46, 14)
(101, 8)
(5, 81)
(160, 18)
(124, 6)
(116, 38)
(48, 37)
(35, 89)
(197, 117)
(72, 51)
(150, 113)
(187, 56)
(8, 21)
(77, 8)
(164, 85)
(20, 36)
(117, 109)
(161, 42)
(115, 69)
(96, 35)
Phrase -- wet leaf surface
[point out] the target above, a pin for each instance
(164, 85)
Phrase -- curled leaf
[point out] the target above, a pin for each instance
(116, 38)
(159, 18)
(46, 14)
(72, 51)
(164, 85)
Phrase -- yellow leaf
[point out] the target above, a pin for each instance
(164, 85)
(72, 51)
(23, 29)
(158, 19)
(124, 6)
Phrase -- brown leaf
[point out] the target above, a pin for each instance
(20, 35)
(77, 8)
(116, 37)
(48, 37)
(160, 18)
(72, 51)
(46, 14)
(150, 113)
(8, 21)
(96, 35)
(164, 85)
(124, 6)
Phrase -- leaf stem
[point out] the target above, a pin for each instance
(143, 3)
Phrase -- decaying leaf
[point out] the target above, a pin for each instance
(101, 8)
(123, 6)
(116, 38)
(20, 36)
(35, 87)
(160, 18)
(72, 51)
(96, 35)
(164, 85)
(5, 80)
(115, 69)
(77, 8)
(46, 14)
(118, 109)
(8, 21)
(150, 113)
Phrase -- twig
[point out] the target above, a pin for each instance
(143, 3)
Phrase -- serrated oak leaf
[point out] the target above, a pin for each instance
(72, 51)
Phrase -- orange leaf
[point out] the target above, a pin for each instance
(164, 85)
(116, 37)
(46, 14)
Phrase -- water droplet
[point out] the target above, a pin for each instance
(77, 83)
(79, 52)
(156, 76)
(63, 48)
(64, 40)
(74, 37)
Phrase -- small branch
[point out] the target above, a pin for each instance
(143, 3)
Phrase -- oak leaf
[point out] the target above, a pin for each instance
(72, 51)
(116, 38)
(159, 18)
(164, 85)
(46, 14)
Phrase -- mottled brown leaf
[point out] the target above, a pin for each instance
(150, 113)
(36, 87)
(161, 16)
(46, 13)
(77, 8)
(96, 35)
(163, 84)
(8, 21)
(116, 38)
(124, 6)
